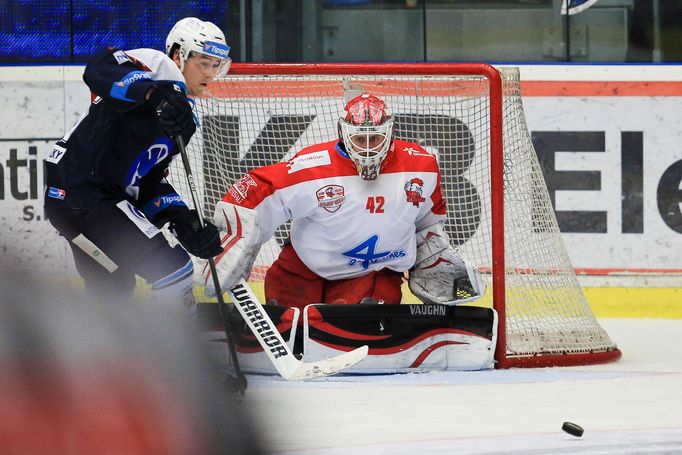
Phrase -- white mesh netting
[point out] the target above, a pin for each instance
(255, 120)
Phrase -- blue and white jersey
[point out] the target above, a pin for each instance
(118, 150)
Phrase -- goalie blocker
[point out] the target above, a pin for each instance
(401, 338)
(238, 237)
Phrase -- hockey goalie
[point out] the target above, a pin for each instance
(366, 212)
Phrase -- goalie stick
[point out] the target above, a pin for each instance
(286, 363)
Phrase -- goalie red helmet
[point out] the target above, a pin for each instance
(366, 130)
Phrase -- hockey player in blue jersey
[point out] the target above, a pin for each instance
(106, 190)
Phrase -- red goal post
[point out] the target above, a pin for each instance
(471, 117)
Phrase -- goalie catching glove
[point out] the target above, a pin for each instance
(239, 232)
(440, 274)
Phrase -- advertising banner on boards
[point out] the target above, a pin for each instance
(611, 153)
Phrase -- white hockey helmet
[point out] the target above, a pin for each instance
(192, 36)
(366, 130)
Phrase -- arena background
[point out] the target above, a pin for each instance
(601, 97)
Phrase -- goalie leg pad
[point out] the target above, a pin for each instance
(403, 338)
(252, 358)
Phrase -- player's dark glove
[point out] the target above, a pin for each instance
(200, 242)
(173, 110)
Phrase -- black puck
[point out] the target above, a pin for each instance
(572, 428)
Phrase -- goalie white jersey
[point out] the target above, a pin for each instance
(343, 226)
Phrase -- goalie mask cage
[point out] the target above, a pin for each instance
(471, 117)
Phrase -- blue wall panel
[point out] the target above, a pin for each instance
(74, 30)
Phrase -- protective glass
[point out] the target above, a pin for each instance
(211, 66)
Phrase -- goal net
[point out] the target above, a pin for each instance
(470, 116)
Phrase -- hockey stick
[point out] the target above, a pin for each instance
(239, 383)
(262, 327)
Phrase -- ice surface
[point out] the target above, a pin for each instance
(631, 406)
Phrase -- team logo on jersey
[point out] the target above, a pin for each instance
(366, 254)
(413, 191)
(331, 197)
(240, 189)
(145, 162)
